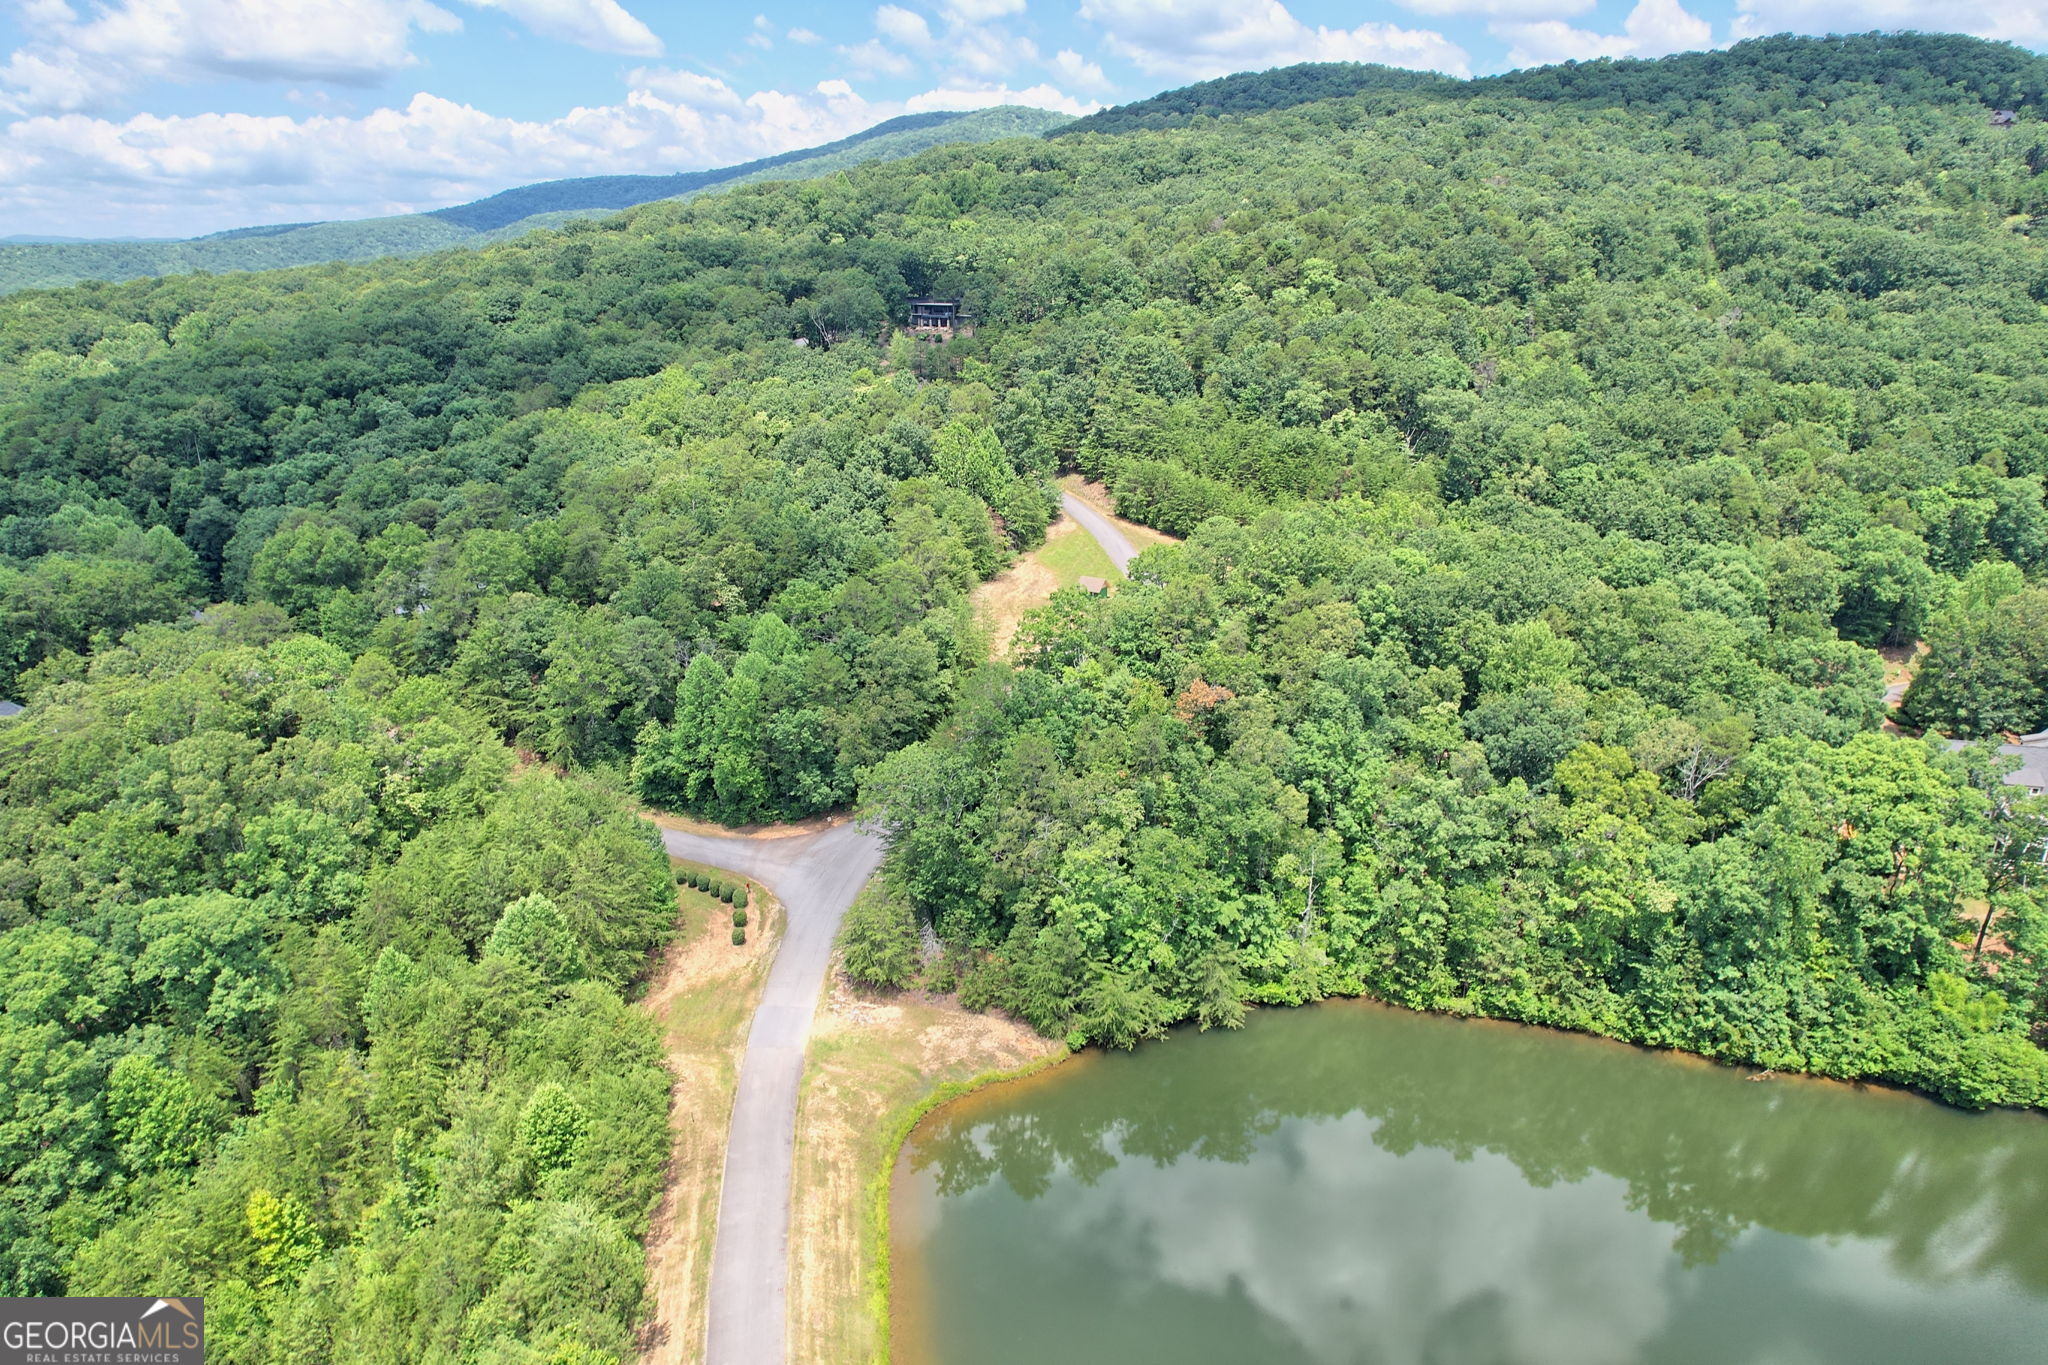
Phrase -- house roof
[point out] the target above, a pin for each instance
(2033, 769)
(10, 708)
(2032, 752)
(1090, 583)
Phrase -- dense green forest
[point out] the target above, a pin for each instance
(1722, 86)
(1552, 457)
(1251, 92)
(499, 217)
(312, 1007)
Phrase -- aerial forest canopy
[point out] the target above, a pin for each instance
(1553, 456)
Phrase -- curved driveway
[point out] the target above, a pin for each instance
(1120, 550)
(815, 876)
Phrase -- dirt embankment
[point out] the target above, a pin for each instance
(871, 1058)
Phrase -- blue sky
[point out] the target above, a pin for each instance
(176, 117)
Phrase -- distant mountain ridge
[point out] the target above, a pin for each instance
(1776, 72)
(49, 264)
(614, 192)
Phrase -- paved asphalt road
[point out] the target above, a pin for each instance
(1120, 551)
(815, 876)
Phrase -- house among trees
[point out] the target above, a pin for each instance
(2032, 752)
(940, 319)
(1093, 586)
(9, 708)
(2004, 118)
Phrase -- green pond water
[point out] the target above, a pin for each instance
(1350, 1183)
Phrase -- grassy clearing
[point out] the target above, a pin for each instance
(1068, 554)
(704, 994)
(1003, 601)
(874, 1064)
(1070, 557)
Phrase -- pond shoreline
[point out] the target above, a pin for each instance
(1369, 1132)
(901, 1126)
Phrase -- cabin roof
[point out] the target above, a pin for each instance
(10, 708)
(2032, 752)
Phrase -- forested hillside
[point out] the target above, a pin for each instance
(1551, 473)
(312, 1008)
(1251, 92)
(1724, 86)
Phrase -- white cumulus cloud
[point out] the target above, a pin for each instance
(973, 40)
(1077, 72)
(1653, 28)
(1502, 9)
(2024, 21)
(1197, 39)
(600, 24)
(686, 87)
(990, 96)
(156, 175)
(876, 58)
(980, 11)
(71, 62)
(904, 26)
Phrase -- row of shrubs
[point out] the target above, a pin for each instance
(732, 893)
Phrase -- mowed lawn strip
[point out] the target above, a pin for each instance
(1070, 557)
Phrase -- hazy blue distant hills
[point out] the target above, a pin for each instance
(613, 192)
(31, 262)
(41, 239)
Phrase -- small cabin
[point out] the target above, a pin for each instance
(1093, 586)
(9, 710)
(940, 319)
(2004, 118)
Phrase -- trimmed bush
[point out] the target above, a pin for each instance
(725, 890)
(682, 875)
(739, 935)
(739, 919)
(739, 895)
